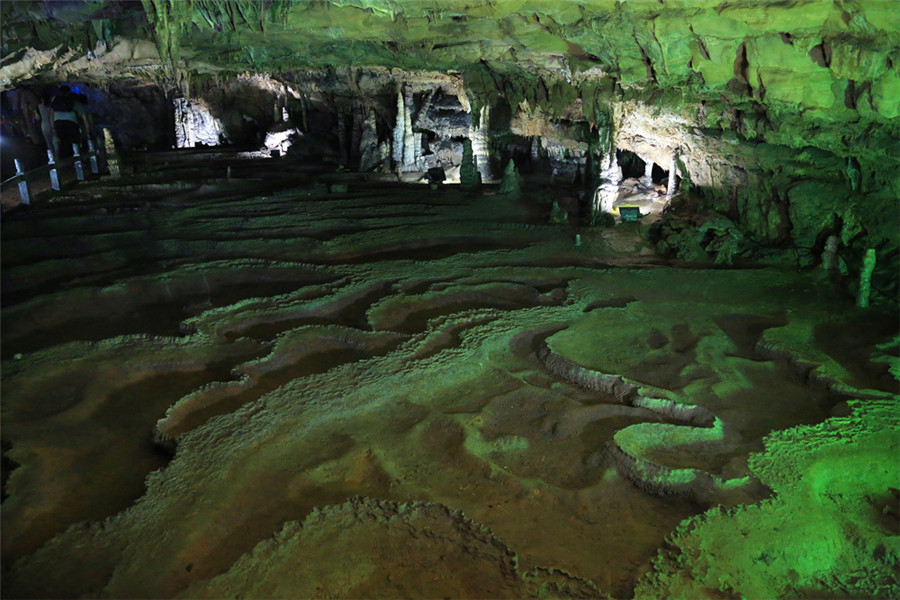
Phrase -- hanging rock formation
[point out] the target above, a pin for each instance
(195, 125)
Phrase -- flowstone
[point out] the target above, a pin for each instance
(384, 548)
(830, 530)
(276, 351)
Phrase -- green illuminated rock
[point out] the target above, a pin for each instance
(469, 177)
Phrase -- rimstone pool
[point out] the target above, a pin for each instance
(254, 387)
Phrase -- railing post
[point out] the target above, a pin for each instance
(93, 154)
(23, 185)
(54, 175)
(79, 172)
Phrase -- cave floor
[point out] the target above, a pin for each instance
(254, 387)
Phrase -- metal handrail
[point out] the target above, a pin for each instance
(21, 177)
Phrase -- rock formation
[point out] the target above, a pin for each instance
(469, 177)
(511, 185)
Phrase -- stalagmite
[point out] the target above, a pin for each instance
(410, 140)
(384, 151)
(673, 173)
(405, 152)
(399, 128)
(469, 177)
(865, 279)
(829, 255)
(647, 179)
(369, 149)
(610, 177)
(512, 182)
(481, 143)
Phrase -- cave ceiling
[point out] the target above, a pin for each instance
(820, 55)
(819, 73)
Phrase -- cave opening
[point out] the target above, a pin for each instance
(660, 175)
(632, 165)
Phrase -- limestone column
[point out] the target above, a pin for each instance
(481, 143)
(865, 278)
(410, 141)
(399, 128)
(673, 171)
(607, 192)
(647, 179)
(183, 123)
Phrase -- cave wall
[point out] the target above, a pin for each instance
(785, 117)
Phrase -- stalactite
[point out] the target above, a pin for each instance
(168, 18)
(406, 143)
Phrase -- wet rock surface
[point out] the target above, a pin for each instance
(201, 394)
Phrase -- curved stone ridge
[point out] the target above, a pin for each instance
(829, 531)
(696, 425)
(387, 549)
(634, 446)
